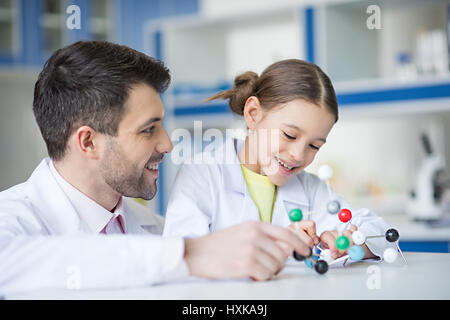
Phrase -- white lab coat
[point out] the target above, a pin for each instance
(214, 196)
(43, 242)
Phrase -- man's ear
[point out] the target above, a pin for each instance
(85, 142)
(253, 112)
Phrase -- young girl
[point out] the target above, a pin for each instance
(289, 111)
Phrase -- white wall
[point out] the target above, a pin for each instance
(254, 47)
(21, 144)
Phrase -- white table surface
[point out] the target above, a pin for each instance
(426, 276)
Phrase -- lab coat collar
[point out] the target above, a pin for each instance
(293, 191)
(139, 218)
(232, 180)
(49, 200)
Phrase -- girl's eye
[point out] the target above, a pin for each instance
(288, 136)
(314, 147)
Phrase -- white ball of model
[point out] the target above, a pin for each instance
(325, 172)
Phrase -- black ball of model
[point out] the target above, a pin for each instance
(299, 257)
(392, 235)
(321, 266)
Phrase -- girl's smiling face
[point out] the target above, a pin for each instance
(285, 139)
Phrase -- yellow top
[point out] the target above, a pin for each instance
(262, 191)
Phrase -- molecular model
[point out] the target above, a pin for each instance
(321, 261)
(325, 173)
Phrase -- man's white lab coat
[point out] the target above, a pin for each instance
(44, 243)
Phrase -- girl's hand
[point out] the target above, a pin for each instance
(306, 230)
(328, 240)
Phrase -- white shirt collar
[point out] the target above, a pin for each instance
(89, 211)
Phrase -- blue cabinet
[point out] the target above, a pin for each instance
(13, 28)
(39, 28)
(30, 30)
(425, 246)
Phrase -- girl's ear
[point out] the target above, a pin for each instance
(253, 112)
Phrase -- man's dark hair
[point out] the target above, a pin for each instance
(87, 83)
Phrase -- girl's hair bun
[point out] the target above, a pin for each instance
(245, 86)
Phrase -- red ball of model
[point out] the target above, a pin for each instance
(345, 215)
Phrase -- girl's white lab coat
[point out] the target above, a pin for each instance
(43, 242)
(213, 196)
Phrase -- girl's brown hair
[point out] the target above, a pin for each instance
(280, 83)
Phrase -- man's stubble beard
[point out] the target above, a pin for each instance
(123, 176)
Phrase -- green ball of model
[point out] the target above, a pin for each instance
(342, 243)
(295, 215)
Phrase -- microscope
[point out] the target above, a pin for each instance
(430, 199)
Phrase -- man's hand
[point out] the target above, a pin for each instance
(250, 249)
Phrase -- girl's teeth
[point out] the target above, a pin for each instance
(280, 162)
(152, 167)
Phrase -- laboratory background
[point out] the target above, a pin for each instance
(388, 61)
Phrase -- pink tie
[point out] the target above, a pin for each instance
(116, 225)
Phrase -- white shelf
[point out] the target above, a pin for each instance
(353, 51)
(389, 83)
(207, 51)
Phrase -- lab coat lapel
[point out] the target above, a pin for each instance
(139, 219)
(50, 202)
(234, 183)
(132, 225)
(290, 196)
(249, 209)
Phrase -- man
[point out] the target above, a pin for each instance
(98, 107)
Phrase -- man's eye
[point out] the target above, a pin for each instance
(149, 130)
(288, 136)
